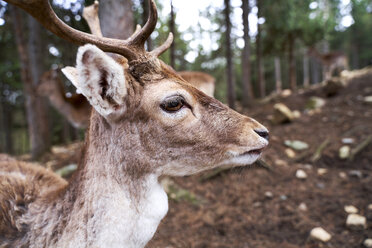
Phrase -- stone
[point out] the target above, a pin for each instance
(342, 175)
(286, 93)
(302, 206)
(283, 197)
(280, 162)
(301, 174)
(269, 194)
(296, 144)
(356, 173)
(347, 141)
(319, 233)
(315, 103)
(368, 99)
(296, 114)
(344, 152)
(350, 209)
(282, 114)
(322, 171)
(356, 221)
(368, 243)
(290, 153)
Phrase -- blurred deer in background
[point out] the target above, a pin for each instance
(332, 61)
(76, 108)
(146, 122)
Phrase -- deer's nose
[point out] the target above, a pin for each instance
(263, 133)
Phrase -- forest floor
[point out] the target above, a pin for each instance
(254, 207)
(259, 208)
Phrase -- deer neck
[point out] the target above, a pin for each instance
(111, 207)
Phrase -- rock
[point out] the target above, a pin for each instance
(300, 174)
(307, 166)
(286, 93)
(67, 170)
(282, 114)
(320, 185)
(296, 144)
(322, 171)
(269, 194)
(367, 99)
(350, 209)
(296, 114)
(319, 233)
(280, 162)
(356, 221)
(290, 153)
(347, 141)
(356, 173)
(283, 197)
(315, 103)
(342, 175)
(332, 86)
(344, 152)
(368, 243)
(302, 206)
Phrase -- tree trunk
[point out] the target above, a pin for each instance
(6, 128)
(260, 69)
(31, 68)
(145, 15)
(292, 65)
(246, 64)
(173, 46)
(306, 82)
(314, 67)
(116, 18)
(278, 76)
(229, 72)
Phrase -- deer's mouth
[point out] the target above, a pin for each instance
(253, 152)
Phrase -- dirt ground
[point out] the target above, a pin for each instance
(254, 207)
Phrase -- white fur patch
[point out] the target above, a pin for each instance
(93, 68)
(15, 174)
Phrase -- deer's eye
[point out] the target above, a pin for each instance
(173, 104)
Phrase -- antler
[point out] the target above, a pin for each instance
(132, 48)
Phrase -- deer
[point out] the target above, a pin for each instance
(332, 61)
(76, 108)
(146, 122)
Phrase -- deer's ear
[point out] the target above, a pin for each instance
(100, 79)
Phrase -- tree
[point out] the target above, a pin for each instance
(31, 69)
(246, 53)
(116, 17)
(260, 66)
(230, 76)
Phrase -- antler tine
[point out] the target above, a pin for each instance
(43, 12)
(90, 14)
(139, 38)
(161, 49)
